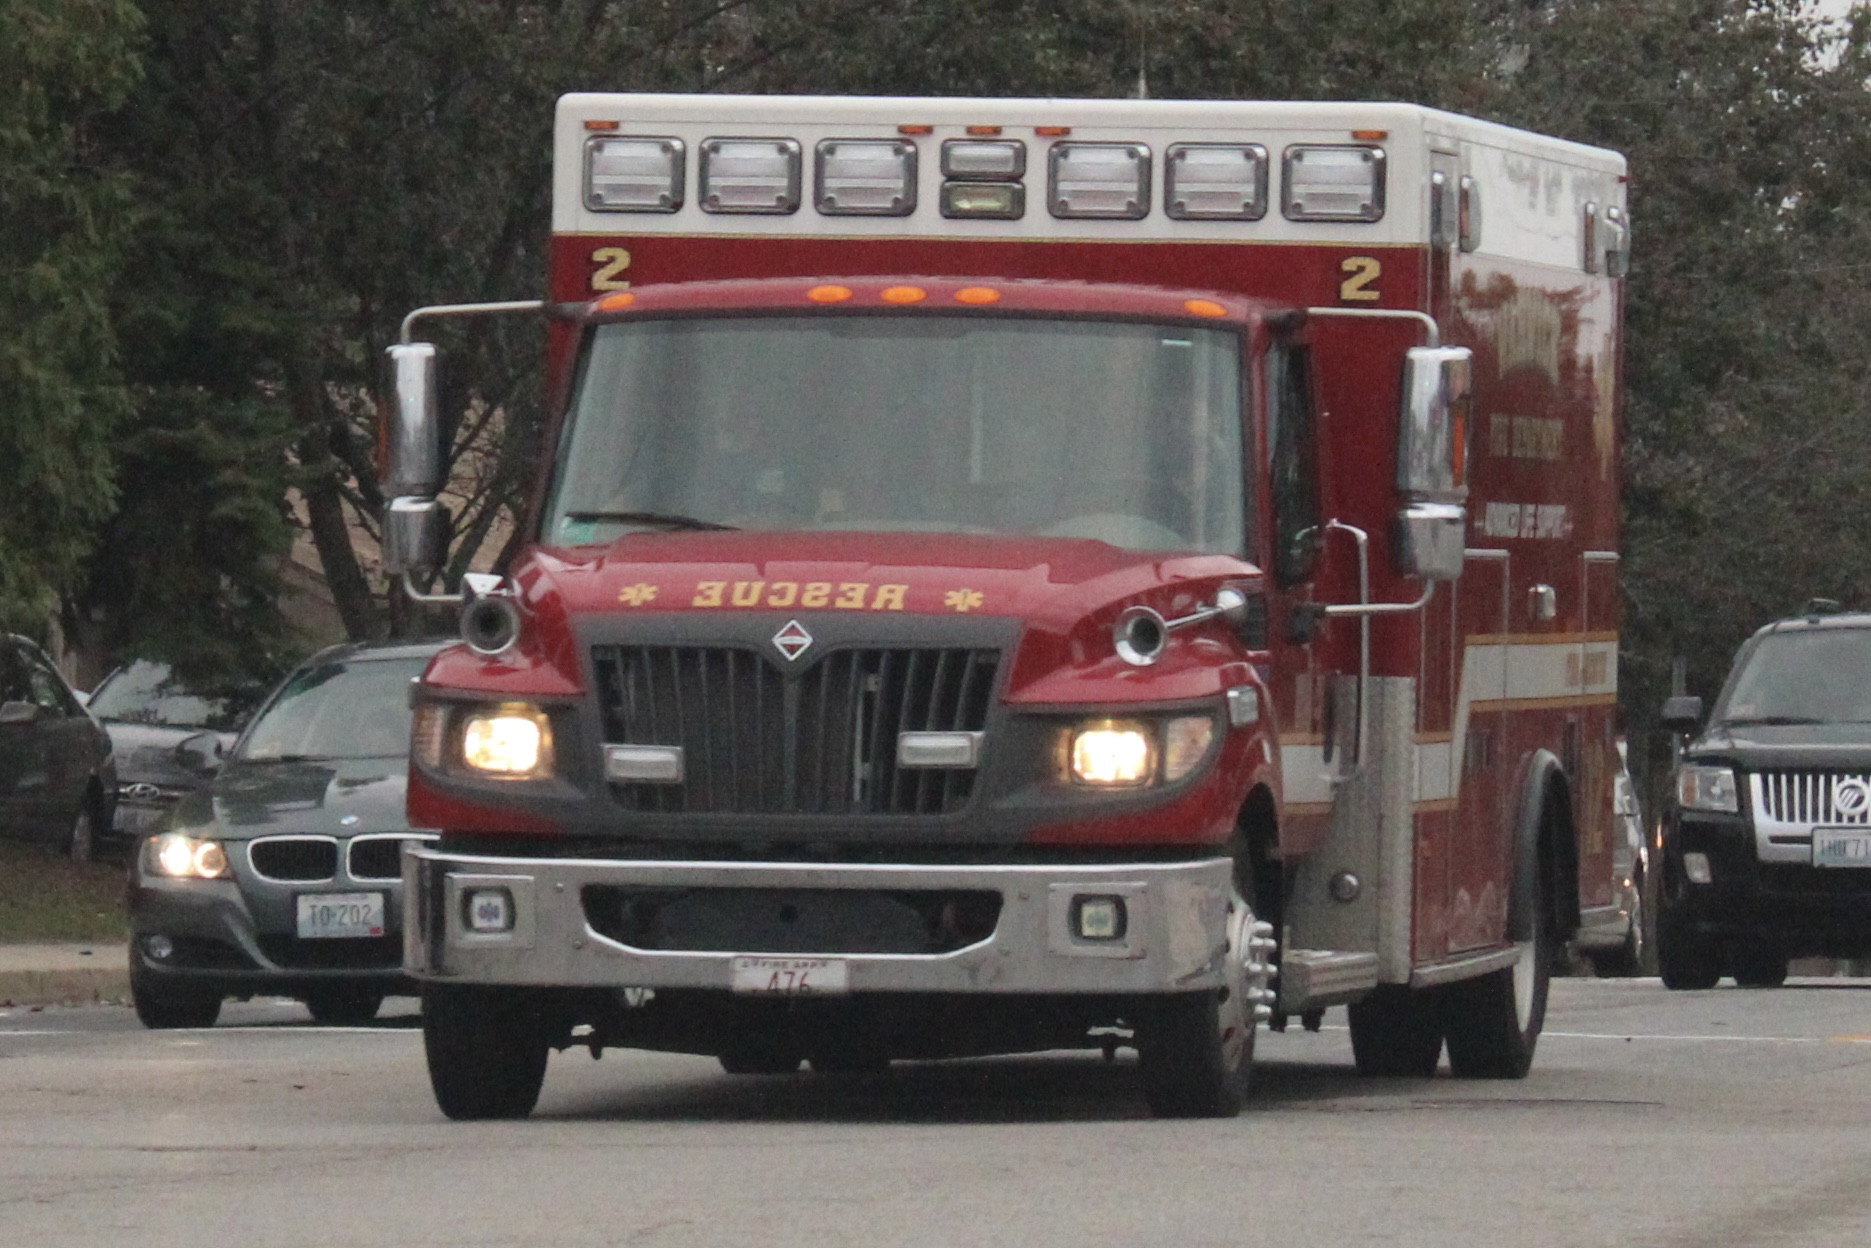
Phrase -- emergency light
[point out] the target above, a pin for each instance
(1215, 182)
(1108, 180)
(750, 175)
(633, 175)
(1330, 182)
(866, 178)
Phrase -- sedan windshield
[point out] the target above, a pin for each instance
(356, 709)
(1804, 676)
(1121, 431)
(149, 693)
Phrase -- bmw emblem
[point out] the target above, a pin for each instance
(349, 821)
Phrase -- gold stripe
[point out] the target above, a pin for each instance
(1535, 639)
(1545, 704)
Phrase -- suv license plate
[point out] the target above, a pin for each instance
(1842, 849)
(791, 977)
(326, 915)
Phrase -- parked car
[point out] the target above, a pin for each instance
(1767, 835)
(149, 712)
(1623, 948)
(58, 778)
(283, 875)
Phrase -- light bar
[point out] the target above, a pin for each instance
(1100, 180)
(750, 175)
(866, 177)
(996, 201)
(1215, 181)
(984, 161)
(633, 175)
(1333, 183)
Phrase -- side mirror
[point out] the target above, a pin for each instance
(18, 712)
(415, 440)
(415, 537)
(200, 753)
(1682, 714)
(1432, 462)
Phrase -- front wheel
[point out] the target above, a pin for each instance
(486, 1049)
(1760, 968)
(162, 1007)
(1685, 963)
(81, 841)
(1196, 1049)
(1396, 1032)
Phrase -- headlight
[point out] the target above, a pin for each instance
(1113, 753)
(1702, 787)
(186, 857)
(509, 740)
(1185, 744)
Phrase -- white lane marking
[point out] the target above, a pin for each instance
(1686, 1039)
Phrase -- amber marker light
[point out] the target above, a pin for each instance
(915, 129)
(829, 294)
(904, 294)
(1204, 307)
(984, 132)
(616, 303)
(603, 125)
(977, 295)
(1370, 136)
(1052, 132)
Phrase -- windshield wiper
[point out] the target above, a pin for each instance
(1772, 721)
(668, 520)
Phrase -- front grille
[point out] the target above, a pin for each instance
(819, 740)
(295, 857)
(805, 920)
(1814, 798)
(376, 858)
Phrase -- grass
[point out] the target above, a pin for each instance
(45, 897)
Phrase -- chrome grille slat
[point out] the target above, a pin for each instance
(1809, 799)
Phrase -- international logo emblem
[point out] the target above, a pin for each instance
(793, 640)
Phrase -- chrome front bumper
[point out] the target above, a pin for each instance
(1174, 940)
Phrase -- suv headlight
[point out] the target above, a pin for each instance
(1700, 786)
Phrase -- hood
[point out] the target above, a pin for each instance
(1066, 594)
(339, 797)
(146, 753)
(1792, 747)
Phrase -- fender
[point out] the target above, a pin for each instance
(1543, 781)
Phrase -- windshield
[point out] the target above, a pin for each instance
(354, 709)
(1804, 676)
(149, 693)
(1125, 432)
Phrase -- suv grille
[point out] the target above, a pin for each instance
(1806, 798)
(821, 740)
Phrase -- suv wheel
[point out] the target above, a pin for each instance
(1686, 963)
(1760, 968)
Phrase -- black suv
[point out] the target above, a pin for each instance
(1767, 835)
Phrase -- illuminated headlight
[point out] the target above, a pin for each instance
(186, 857)
(633, 175)
(750, 175)
(867, 178)
(1702, 787)
(1333, 183)
(1113, 754)
(1108, 180)
(511, 740)
(1185, 744)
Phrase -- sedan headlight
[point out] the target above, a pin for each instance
(513, 739)
(1700, 786)
(186, 857)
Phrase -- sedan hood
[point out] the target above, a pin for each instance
(334, 797)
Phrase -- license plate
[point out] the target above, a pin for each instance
(1842, 849)
(136, 820)
(325, 915)
(791, 977)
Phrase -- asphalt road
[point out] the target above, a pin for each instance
(1721, 1118)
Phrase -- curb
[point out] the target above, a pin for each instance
(72, 974)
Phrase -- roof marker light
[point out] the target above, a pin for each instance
(1052, 132)
(977, 295)
(915, 129)
(904, 294)
(983, 131)
(1370, 136)
(829, 294)
(603, 125)
(1203, 307)
(616, 303)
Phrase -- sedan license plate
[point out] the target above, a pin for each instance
(1841, 849)
(328, 915)
(791, 977)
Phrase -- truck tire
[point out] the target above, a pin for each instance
(1195, 1050)
(161, 1007)
(1760, 968)
(1395, 1033)
(761, 1053)
(342, 1004)
(486, 1049)
(1492, 1022)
